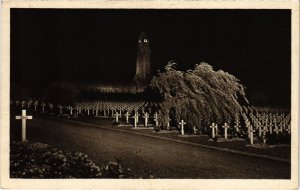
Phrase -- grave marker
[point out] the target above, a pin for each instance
(225, 126)
(117, 117)
(36, 103)
(24, 117)
(213, 130)
(182, 123)
(168, 124)
(264, 131)
(23, 103)
(251, 134)
(146, 116)
(156, 119)
(127, 116)
(288, 129)
(60, 107)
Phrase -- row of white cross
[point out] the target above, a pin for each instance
(214, 126)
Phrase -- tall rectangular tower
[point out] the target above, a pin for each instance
(143, 64)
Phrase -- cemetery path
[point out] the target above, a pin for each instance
(146, 155)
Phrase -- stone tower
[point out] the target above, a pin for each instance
(143, 64)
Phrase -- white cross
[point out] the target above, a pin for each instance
(213, 125)
(259, 129)
(136, 117)
(216, 129)
(289, 129)
(270, 128)
(237, 128)
(23, 103)
(146, 116)
(225, 126)
(71, 110)
(60, 109)
(156, 119)
(36, 103)
(182, 123)
(248, 127)
(264, 130)
(117, 117)
(29, 104)
(168, 124)
(51, 106)
(251, 134)
(127, 115)
(24, 117)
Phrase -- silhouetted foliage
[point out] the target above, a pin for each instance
(199, 96)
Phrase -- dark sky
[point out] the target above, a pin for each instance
(97, 45)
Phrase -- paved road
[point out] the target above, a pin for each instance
(144, 155)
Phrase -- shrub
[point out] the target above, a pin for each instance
(35, 160)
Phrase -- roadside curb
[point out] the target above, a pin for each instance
(180, 141)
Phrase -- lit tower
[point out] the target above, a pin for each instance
(143, 65)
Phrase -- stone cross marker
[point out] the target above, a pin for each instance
(51, 106)
(146, 116)
(276, 128)
(182, 123)
(264, 130)
(259, 130)
(117, 116)
(136, 117)
(281, 127)
(237, 128)
(270, 128)
(251, 134)
(216, 129)
(127, 116)
(23, 103)
(60, 109)
(213, 125)
(36, 103)
(288, 129)
(168, 124)
(24, 117)
(248, 127)
(71, 110)
(156, 119)
(225, 126)
(29, 104)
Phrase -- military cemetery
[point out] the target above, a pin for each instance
(171, 119)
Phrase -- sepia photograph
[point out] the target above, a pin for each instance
(150, 93)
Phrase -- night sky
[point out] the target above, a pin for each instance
(99, 46)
